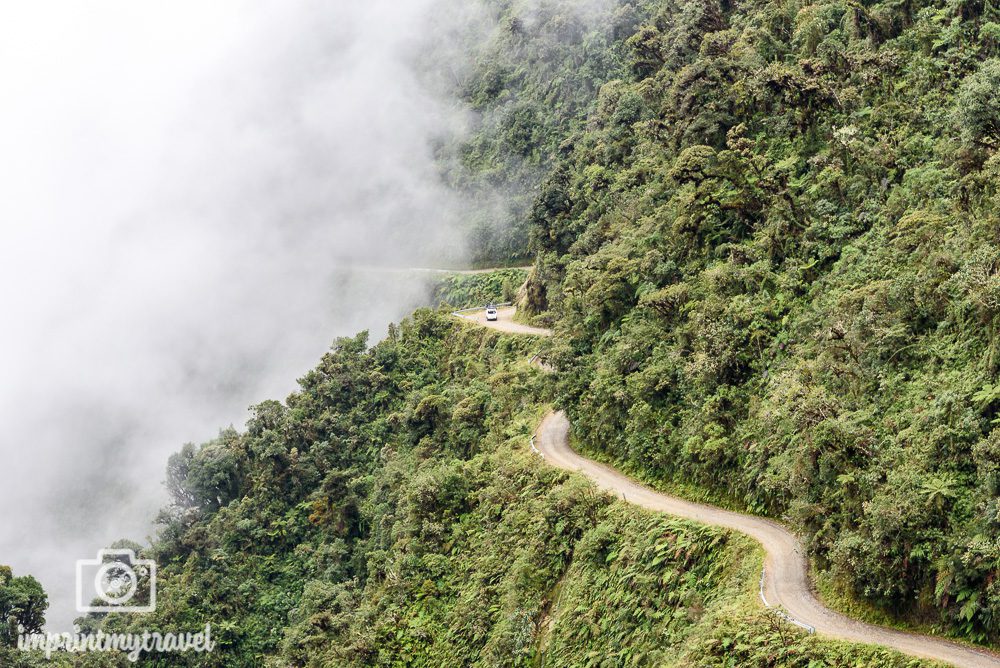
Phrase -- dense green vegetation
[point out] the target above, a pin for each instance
(22, 605)
(390, 513)
(471, 290)
(771, 259)
(767, 241)
(22, 610)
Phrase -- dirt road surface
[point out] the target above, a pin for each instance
(504, 323)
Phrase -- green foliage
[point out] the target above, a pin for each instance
(471, 290)
(536, 78)
(762, 641)
(770, 260)
(23, 603)
(278, 533)
(766, 240)
(977, 108)
(637, 587)
(205, 477)
(390, 513)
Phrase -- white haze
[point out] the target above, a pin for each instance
(181, 182)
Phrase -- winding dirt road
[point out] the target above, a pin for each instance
(785, 583)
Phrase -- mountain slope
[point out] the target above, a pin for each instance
(768, 252)
(770, 260)
(391, 513)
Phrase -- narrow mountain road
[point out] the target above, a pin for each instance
(786, 570)
(429, 270)
(466, 272)
(786, 581)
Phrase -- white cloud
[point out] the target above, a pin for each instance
(181, 182)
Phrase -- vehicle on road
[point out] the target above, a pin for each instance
(491, 312)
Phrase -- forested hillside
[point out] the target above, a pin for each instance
(766, 239)
(771, 259)
(391, 513)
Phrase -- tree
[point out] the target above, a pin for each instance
(939, 490)
(978, 112)
(23, 603)
(207, 477)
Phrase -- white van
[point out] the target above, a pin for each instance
(491, 312)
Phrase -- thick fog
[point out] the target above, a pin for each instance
(186, 186)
